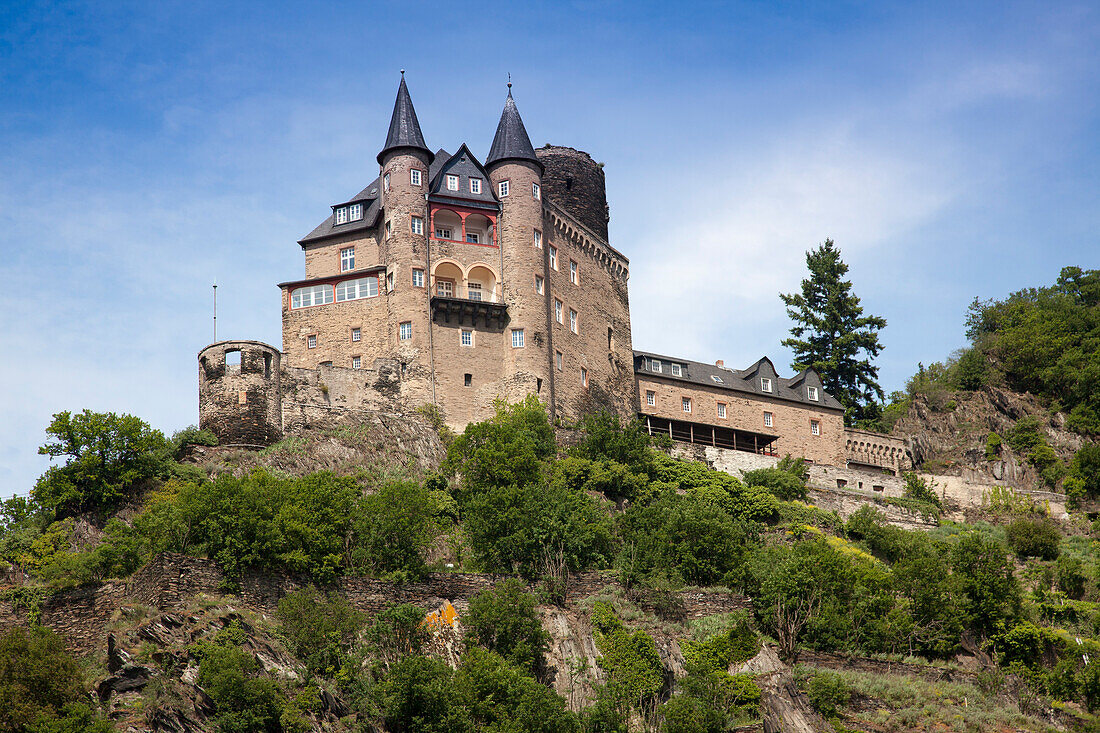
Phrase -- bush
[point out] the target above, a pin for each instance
(504, 620)
(106, 457)
(320, 628)
(630, 659)
(244, 700)
(993, 444)
(988, 592)
(1085, 467)
(919, 488)
(827, 692)
(787, 481)
(395, 528)
(1070, 572)
(397, 632)
(716, 653)
(607, 437)
(418, 696)
(1033, 538)
(41, 683)
(191, 435)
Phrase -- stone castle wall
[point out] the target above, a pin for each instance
(240, 403)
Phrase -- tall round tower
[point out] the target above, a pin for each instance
(576, 183)
(239, 392)
(516, 175)
(405, 161)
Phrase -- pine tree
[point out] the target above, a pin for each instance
(831, 335)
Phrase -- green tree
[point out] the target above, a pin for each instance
(106, 456)
(990, 595)
(245, 701)
(396, 527)
(832, 336)
(504, 619)
(320, 628)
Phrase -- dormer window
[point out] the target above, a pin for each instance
(811, 392)
(677, 370)
(344, 214)
(415, 176)
(452, 182)
(765, 384)
(655, 365)
(475, 185)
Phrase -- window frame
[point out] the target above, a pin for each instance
(327, 289)
(476, 237)
(445, 281)
(574, 272)
(463, 340)
(559, 311)
(769, 419)
(677, 369)
(721, 410)
(650, 398)
(416, 224)
(417, 271)
(356, 362)
(813, 394)
(536, 191)
(504, 188)
(559, 360)
(574, 321)
(356, 335)
(538, 238)
(553, 258)
(815, 428)
(403, 333)
(451, 177)
(347, 259)
(355, 212)
(311, 341)
(416, 177)
(685, 404)
(519, 340)
(386, 182)
(766, 384)
(540, 285)
(584, 377)
(360, 287)
(475, 185)
(444, 233)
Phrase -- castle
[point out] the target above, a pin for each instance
(455, 282)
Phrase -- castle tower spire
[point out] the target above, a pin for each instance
(404, 127)
(511, 141)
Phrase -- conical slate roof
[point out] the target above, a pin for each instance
(404, 127)
(511, 141)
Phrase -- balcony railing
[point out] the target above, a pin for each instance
(450, 289)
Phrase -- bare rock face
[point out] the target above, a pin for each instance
(948, 435)
(785, 709)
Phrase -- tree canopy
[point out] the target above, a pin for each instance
(832, 336)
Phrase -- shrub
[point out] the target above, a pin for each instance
(630, 659)
(191, 435)
(319, 628)
(827, 692)
(988, 592)
(787, 485)
(418, 696)
(397, 632)
(504, 620)
(244, 700)
(1085, 467)
(606, 436)
(919, 488)
(993, 444)
(106, 456)
(1033, 538)
(499, 697)
(1070, 572)
(395, 528)
(716, 653)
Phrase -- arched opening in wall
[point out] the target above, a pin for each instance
(267, 366)
(447, 280)
(478, 229)
(610, 339)
(481, 284)
(204, 365)
(232, 360)
(446, 225)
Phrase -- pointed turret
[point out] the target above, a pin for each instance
(404, 127)
(511, 141)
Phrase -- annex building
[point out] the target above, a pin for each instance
(453, 281)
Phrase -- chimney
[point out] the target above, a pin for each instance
(720, 364)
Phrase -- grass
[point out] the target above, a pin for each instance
(902, 702)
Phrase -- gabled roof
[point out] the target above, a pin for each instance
(441, 158)
(404, 127)
(464, 165)
(372, 207)
(738, 380)
(511, 141)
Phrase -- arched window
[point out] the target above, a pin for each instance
(311, 295)
(364, 287)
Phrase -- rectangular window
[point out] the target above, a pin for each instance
(538, 239)
(558, 360)
(418, 278)
(584, 377)
(355, 212)
(677, 370)
(722, 410)
(685, 404)
(311, 342)
(389, 282)
(536, 191)
(559, 311)
(386, 182)
(405, 331)
(811, 392)
(414, 176)
(539, 285)
(765, 384)
(554, 258)
(473, 291)
(467, 337)
(452, 182)
(815, 427)
(655, 365)
(517, 338)
(356, 334)
(356, 362)
(347, 259)
(503, 189)
(473, 237)
(767, 419)
(364, 287)
(445, 288)
(468, 380)
(311, 295)
(650, 398)
(573, 272)
(341, 215)
(418, 225)
(475, 185)
(443, 233)
(573, 320)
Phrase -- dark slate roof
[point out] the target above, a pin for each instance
(372, 207)
(464, 165)
(741, 380)
(511, 141)
(441, 158)
(404, 127)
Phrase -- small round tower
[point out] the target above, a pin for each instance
(576, 183)
(239, 392)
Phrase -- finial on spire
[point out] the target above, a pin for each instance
(402, 72)
(509, 80)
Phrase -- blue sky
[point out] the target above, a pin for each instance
(952, 150)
